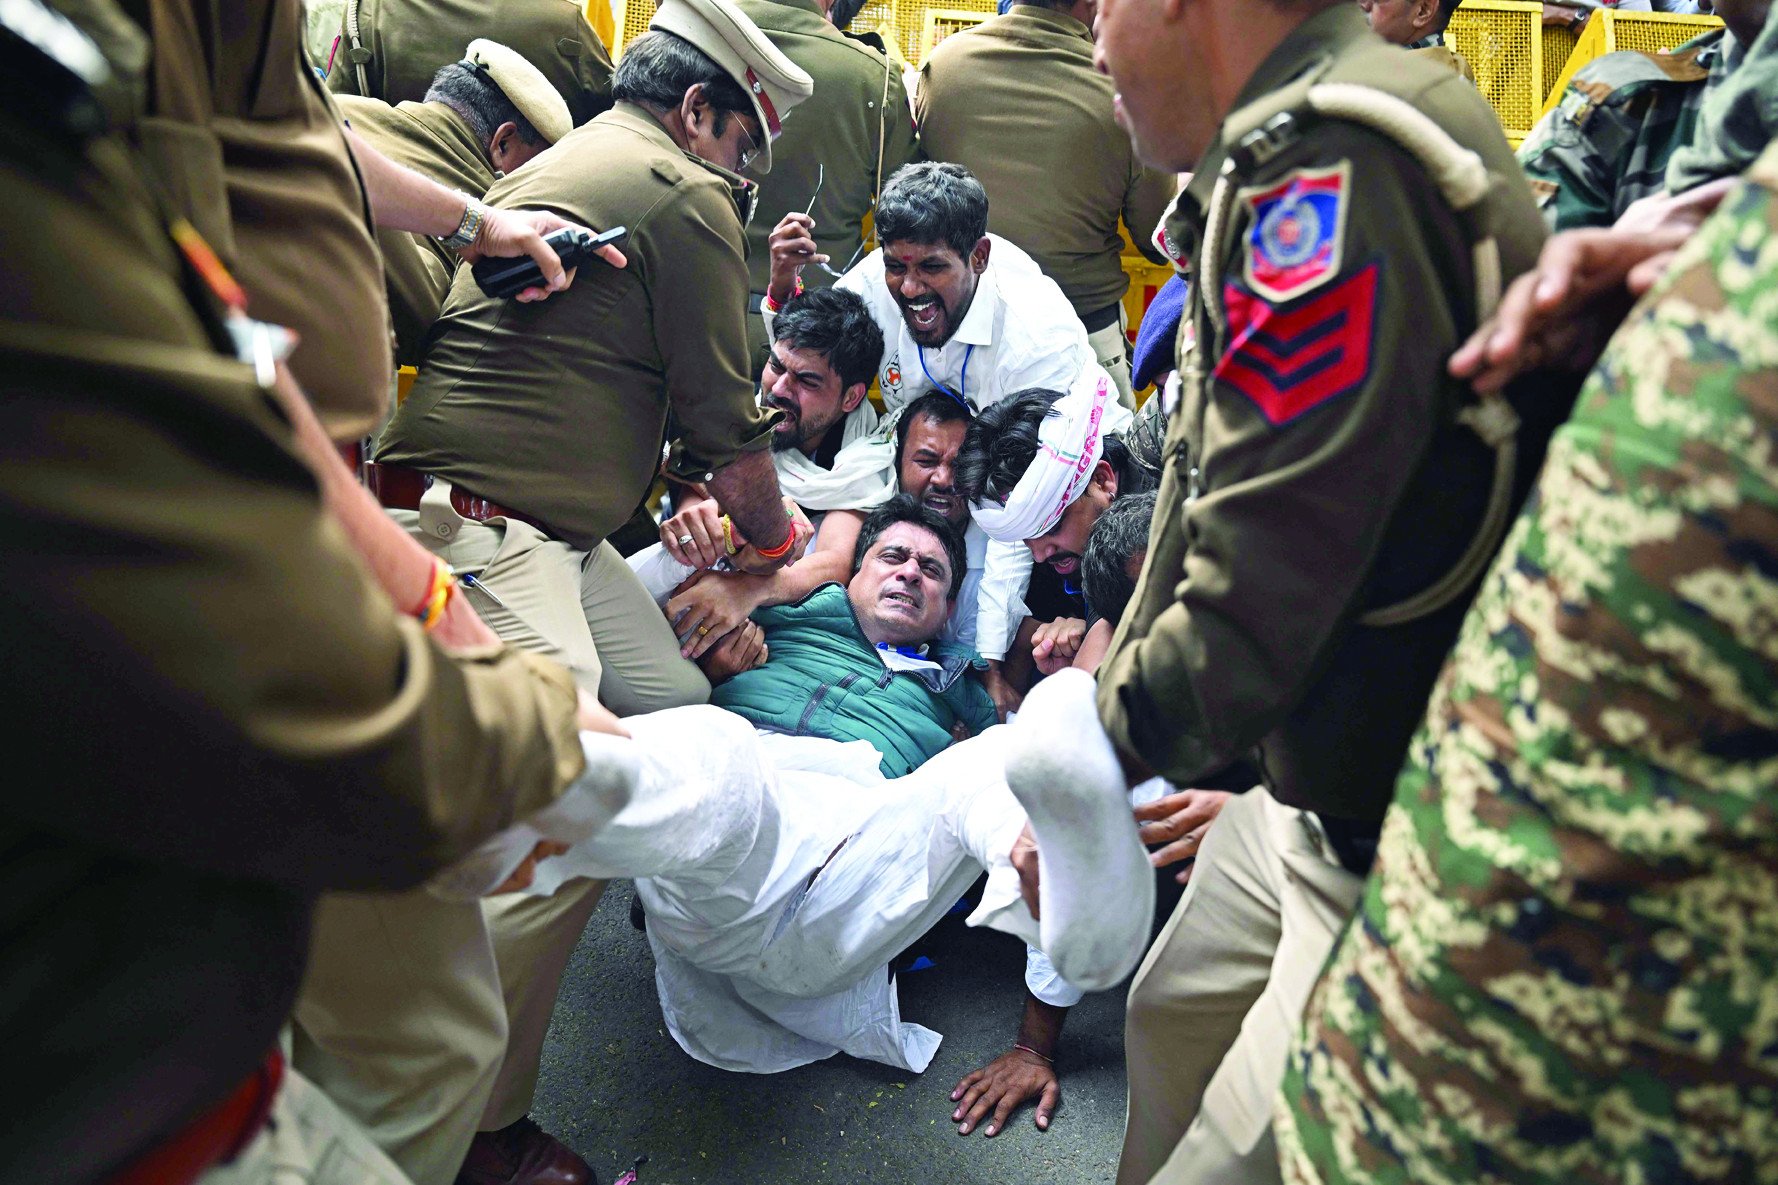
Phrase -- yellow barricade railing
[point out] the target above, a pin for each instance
(1608, 31)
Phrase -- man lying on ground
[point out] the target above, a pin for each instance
(781, 872)
(837, 460)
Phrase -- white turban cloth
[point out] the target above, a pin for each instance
(1070, 441)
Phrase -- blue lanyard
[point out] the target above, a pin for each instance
(962, 379)
(904, 651)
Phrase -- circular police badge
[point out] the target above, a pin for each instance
(1290, 232)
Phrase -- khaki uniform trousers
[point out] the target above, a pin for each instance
(1217, 1000)
(533, 939)
(1112, 348)
(585, 609)
(402, 1022)
(404, 1014)
(307, 1141)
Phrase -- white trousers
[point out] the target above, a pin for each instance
(797, 884)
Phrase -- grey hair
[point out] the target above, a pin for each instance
(659, 67)
(1120, 533)
(468, 90)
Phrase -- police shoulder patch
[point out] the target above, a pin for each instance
(1291, 359)
(1297, 229)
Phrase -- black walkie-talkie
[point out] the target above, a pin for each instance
(508, 276)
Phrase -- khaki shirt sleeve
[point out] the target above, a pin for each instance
(697, 268)
(210, 673)
(1145, 203)
(1248, 588)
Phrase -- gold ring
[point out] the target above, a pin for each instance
(702, 630)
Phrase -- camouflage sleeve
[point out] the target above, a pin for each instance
(1316, 416)
(1567, 160)
(1614, 677)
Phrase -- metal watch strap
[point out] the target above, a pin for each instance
(474, 214)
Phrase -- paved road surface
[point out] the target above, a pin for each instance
(614, 1084)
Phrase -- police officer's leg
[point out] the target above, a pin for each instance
(401, 1022)
(1112, 348)
(533, 938)
(1230, 1141)
(643, 671)
(1198, 981)
(307, 1140)
(532, 599)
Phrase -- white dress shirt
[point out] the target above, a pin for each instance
(1019, 332)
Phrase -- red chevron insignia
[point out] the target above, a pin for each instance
(1290, 359)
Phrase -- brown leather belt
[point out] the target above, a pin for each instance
(400, 488)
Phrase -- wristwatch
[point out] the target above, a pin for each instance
(474, 214)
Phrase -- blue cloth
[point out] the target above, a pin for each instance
(1157, 333)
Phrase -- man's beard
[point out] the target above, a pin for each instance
(957, 513)
(804, 435)
(948, 318)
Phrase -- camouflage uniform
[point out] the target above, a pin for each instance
(1607, 142)
(1565, 966)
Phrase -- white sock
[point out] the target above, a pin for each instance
(1095, 889)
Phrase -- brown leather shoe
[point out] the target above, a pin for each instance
(522, 1154)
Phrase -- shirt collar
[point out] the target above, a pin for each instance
(1059, 21)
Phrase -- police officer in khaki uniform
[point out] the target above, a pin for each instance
(390, 49)
(835, 154)
(1330, 498)
(402, 1018)
(250, 727)
(534, 429)
(483, 117)
(1027, 78)
(544, 422)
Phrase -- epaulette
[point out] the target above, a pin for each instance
(1253, 150)
(1614, 71)
(56, 69)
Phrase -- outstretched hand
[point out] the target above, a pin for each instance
(1002, 1087)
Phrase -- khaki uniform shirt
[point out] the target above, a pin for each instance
(248, 143)
(1314, 469)
(433, 140)
(215, 714)
(860, 110)
(403, 43)
(1017, 102)
(557, 409)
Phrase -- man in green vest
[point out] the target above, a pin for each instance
(863, 661)
(390, 49)
(482, 118)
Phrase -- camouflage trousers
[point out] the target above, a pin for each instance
(1564, 969)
